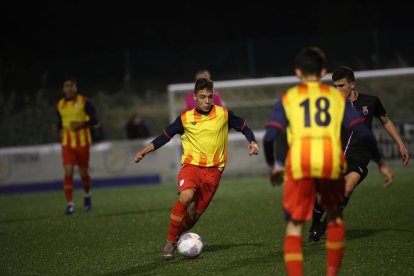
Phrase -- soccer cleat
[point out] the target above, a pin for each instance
(70, 208)
(316, 234)
(169, 249)
(87, 203)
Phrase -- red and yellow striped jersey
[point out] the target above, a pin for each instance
(74, 111)
(314, 112)
(205, 137)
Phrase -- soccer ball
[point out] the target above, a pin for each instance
(190, 245)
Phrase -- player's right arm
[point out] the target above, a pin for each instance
(174, 128)
(276, 123)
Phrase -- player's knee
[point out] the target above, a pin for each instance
(186, 197)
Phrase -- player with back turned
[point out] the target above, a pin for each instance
(313, 114)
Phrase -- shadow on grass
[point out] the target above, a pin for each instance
(143, 269)
(362, 233)
(352, 234)
(226, 246)
(159, 263)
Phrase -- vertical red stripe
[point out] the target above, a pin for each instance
(203, 160)
(306, 157)
(213, 113)
(327, 158)
(302, 89)
(188, 159)
(77, 136)
(184, 118)
(324, 88)
(216, 159)
(68, 139)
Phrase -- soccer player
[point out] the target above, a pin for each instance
(76, 115)
(355, 150)
(204, 134)
(313, 114)
(190, 98)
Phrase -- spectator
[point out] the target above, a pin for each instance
(136, 127)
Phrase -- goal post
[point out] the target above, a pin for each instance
(254, 100)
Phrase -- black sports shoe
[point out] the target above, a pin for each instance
(316, 235)
(87, 203)
(70, 209)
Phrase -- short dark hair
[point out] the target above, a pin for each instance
(69, 78)
(343, 72)
(310, 60)
(202, 71)
(202, 84)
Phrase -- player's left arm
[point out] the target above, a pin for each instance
(391, 129)
(240, 125)
(393, 132)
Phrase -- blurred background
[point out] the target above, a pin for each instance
(125, 55)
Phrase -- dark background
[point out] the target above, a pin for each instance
(151, 44)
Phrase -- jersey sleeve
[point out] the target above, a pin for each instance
(379, 110)
(275, 124)
(91, 111)
(174, 128)
(240, 125)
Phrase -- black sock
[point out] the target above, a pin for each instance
(346, 200)
(316, 215)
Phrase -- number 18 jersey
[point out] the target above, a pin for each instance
(313, 115)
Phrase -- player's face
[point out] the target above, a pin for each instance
(70, 89)
(344, 86)
(204, 100)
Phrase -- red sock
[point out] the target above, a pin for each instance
(293, 255)
(187, 223)
(177, 214)
(68, 188)
(335, 243)
(86, 180)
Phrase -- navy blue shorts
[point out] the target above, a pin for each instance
(358, 168)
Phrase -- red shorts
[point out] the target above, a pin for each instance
(299, 196)
(76, 156)
(203, 181)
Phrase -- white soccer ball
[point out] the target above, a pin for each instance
(190, 245)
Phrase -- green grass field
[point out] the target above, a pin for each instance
(242, 229)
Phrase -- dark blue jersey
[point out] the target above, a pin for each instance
(355, 149)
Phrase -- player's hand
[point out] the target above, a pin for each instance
(139, 156)
(74, 125)
(405, 155)
(253, 148)
(387, 172)
(276, 174)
